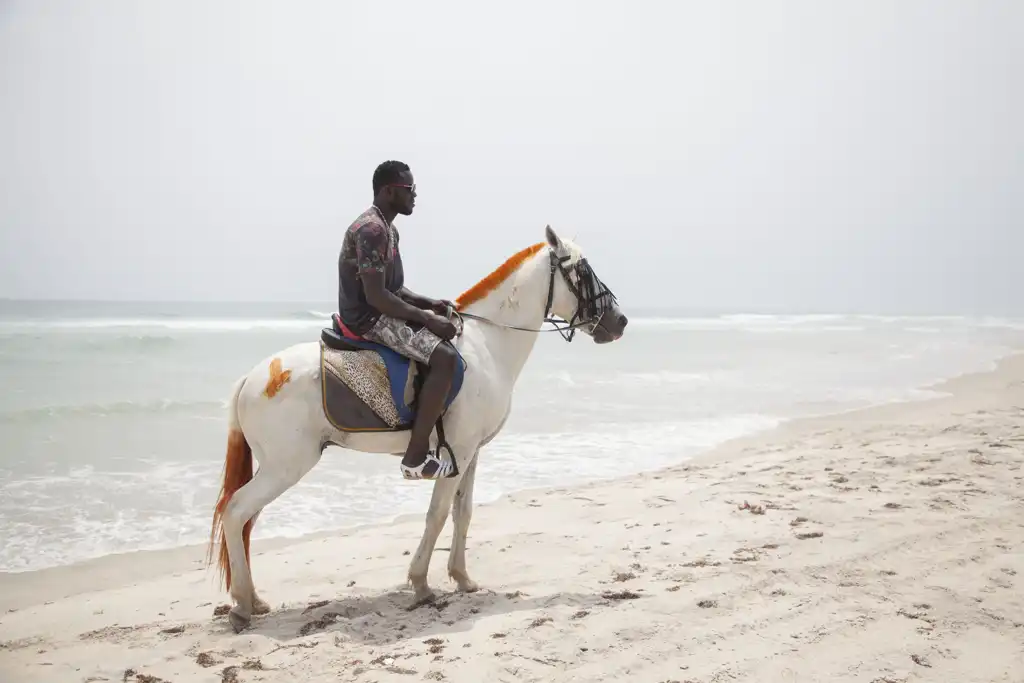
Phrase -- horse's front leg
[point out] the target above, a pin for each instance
(437, 513)
(462, 513)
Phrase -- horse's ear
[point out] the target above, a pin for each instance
(553, 239)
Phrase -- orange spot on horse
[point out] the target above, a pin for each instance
(278, 378)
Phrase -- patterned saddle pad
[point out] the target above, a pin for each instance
(368, 387)
(357, 391)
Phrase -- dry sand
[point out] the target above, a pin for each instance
(881, 545)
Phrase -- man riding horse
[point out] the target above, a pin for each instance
(374, 304)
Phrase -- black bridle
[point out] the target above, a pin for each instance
(593, 298)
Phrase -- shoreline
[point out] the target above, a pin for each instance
(174, 525)
(26, 588)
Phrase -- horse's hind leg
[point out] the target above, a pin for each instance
(259, 605)
(462, 513)
(275, 476)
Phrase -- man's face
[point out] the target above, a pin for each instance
(403, 194)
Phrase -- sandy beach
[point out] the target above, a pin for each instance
(885, 544)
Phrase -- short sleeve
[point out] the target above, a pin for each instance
(371, 247)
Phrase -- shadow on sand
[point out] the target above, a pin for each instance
(390, 617)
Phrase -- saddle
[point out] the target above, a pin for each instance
(367, 387)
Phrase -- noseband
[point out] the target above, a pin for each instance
(593, 299)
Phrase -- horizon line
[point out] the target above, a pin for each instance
(673, 308)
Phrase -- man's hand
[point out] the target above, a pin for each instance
(441, 306)
(442, 327)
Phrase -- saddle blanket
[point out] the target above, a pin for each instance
(373, 388)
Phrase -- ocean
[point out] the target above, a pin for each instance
(112, 417)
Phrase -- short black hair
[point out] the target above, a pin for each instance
(388, 172)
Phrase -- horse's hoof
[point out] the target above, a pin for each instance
(260, 606)
(238, 622)
(425, 597)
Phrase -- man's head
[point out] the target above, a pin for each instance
(393, 187)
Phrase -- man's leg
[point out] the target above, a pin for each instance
(429, 406)
(423, 346)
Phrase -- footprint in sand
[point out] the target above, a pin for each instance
(207, 659)
(920, 661)
(1001, 582)
(937, 481)
(109, 633)
(436, 645)
(620, 595)
(146, 678)
(744, 555)
(315, 605)
(702, 562)
(319, 624)
(173, 630)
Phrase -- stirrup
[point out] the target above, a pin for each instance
(432, 467)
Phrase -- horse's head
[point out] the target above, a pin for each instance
(577, 295)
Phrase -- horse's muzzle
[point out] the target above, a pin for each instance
(610, 327)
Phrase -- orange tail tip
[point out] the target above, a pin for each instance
(237, 472)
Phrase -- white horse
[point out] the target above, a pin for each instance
(276, 413)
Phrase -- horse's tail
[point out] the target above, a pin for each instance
(237, 471)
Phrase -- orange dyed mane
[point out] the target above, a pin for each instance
(494, 280)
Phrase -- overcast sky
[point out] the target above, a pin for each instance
(798, 156)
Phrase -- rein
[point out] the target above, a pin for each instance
(588, 295)
(553, 321)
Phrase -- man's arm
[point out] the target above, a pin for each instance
(371, 248)
(417, 300)
(387, 303)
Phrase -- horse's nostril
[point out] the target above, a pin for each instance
(623, 320)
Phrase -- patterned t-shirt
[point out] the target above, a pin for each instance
(369, 244)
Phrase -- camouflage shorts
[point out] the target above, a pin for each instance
(410, 340)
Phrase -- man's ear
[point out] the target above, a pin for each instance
(552, 238)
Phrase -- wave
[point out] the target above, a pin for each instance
(317, 315)
(107, 342)
(116, 408)
(144, 342)
(184, 324)
(824, 322)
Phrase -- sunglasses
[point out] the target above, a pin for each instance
(411, 188)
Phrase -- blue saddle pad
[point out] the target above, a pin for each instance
(398, 375)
